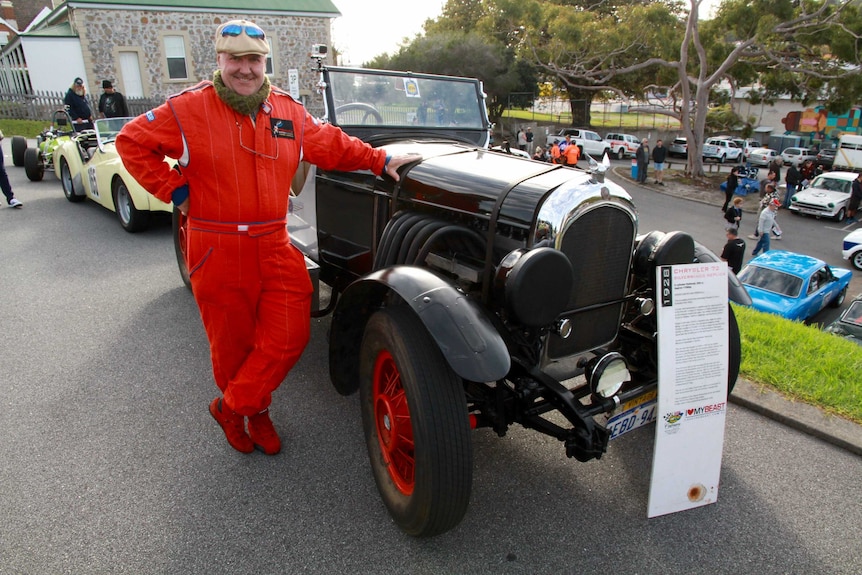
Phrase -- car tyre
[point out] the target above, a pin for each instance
(180, 224)
(734, 350)
(66, 182)
(722, 158)
(19, 144)
(856, 260)
(839, 217)
(621, 154)
(131, 218)
(33, 166)
(417, 431)
(839, 299)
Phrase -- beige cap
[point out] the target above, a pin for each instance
(241, 37)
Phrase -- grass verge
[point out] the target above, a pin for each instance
(26, 128)
(802, 362)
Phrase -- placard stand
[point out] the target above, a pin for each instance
(692, 392)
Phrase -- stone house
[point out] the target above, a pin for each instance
(151, 49)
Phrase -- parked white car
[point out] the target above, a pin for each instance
(762, 156)
(797, 156)
(588, 141)
(623, 145)
(851, 249)
(722, 149)
(827, 196)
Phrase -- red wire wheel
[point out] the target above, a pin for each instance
(417, 430)
(394, 428)
(181, 244)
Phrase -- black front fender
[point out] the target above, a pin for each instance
(465, 335)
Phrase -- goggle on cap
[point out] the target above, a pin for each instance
(241, 37)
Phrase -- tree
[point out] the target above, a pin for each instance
(792, 38)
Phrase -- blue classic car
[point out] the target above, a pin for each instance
(794, 286)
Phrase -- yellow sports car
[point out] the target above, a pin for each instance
(88, 166)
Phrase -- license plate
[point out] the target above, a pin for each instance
(632, 415)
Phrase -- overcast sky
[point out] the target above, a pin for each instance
(367, 28)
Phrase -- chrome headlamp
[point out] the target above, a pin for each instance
(607, 374)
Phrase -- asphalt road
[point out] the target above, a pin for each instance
(110, 462)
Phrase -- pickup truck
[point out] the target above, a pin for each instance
(722, 150)
(588, 141)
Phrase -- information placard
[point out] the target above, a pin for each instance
(692, 390)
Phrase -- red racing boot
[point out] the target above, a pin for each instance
(263, 434)
(233, 425)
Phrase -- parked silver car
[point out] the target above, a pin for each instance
(678, 148)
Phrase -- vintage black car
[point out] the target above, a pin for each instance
(480, 291)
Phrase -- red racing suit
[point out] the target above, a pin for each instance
(250, 284)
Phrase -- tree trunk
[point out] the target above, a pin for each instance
(579, 103)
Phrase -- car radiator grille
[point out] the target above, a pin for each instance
(807, 206)
(599, 244)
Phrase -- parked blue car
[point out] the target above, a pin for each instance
(794, 286)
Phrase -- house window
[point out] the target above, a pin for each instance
(269, 66)
(175, 51)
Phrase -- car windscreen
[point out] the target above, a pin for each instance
(398, 101)
(853, 314)
(824, 182)
(771, 280)
(108, 128)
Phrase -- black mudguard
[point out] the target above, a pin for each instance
(466, 337)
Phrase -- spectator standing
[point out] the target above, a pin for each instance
(555, 153)
(792, 179)
(112, 104)
(251, 286)
(730, 187)
(79, 108)
(642, 158)
(765, 223)
(522, 140)
(530, 139)
(5, 185)
(734, 250)
(855, 199)
(659, 154)
(775, 167)
(733, 215)
(766, 182)
(571, 155)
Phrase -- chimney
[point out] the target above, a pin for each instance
(7, 11)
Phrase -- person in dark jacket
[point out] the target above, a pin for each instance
(855, 199)
(730, 189)
(659, 154)
(642, 157)
(79, 108)
(792, 179)
(112, 104)
(734, 250)
(733, 215)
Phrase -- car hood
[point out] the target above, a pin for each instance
(771, 302)
(820, 197)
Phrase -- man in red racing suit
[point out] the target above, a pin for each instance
(238, 142)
